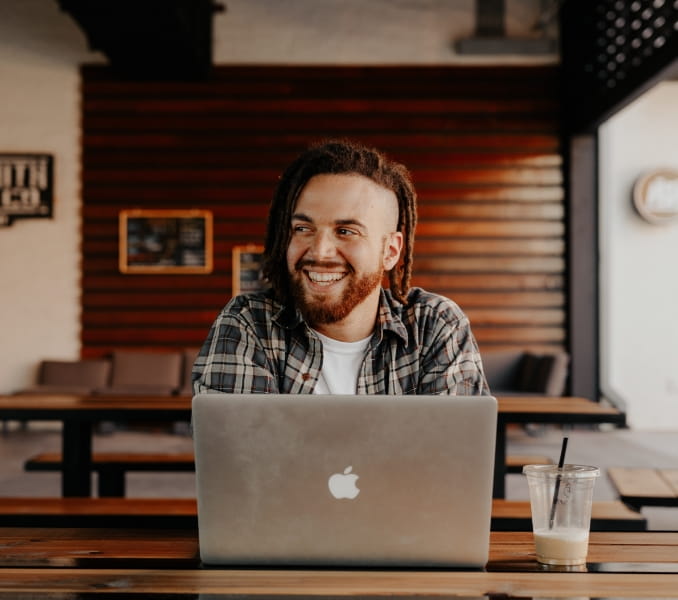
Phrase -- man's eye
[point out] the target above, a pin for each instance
(346, 232)
(300, 228)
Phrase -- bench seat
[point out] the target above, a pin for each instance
(516, 462)
(164, 513)
(181, 513)
(515, 515)
(112, 466)
(640, 487)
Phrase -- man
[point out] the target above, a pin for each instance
(342, 216)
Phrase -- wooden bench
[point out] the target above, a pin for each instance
(165, 513)
(516, 462)
(181, 513)
(112, 466)
(515, 515)
(640, 487)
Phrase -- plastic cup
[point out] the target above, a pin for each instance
(560, 500)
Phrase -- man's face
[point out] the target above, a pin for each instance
(343, 239)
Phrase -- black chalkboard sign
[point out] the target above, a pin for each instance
(26, 186)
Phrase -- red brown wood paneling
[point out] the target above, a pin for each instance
(482, 144)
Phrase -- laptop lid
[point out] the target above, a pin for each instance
(344, 480)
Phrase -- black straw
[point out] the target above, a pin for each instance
(561, 462)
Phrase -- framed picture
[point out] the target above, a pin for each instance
(165, 241)
(247, 276)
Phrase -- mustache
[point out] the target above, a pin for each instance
(322, 264)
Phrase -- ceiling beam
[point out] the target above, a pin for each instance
(149, 39)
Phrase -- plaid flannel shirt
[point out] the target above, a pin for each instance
(256, 345)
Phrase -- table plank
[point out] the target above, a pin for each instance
(337, 583)
(81, 547)
(77, 402)
(99, 506)
(604, 547)
(671, 477)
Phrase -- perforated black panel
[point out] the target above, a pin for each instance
(612, 50)
(628, 33)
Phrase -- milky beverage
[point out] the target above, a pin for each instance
(560, 500)
(561, 546)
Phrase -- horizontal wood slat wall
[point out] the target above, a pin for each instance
(482, 144)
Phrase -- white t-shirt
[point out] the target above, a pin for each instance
(341, 364)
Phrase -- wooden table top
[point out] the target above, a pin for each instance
(553, 404)
(57, 583)
(55, 562)
(76, 402)
(513, 405)
(85, 547)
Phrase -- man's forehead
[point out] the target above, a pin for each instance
(346, 189)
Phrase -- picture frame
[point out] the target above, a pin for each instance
(247, 274)
(165, 241)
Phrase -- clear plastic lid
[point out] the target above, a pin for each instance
(569, 471)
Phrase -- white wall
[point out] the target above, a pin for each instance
(39, 268)
(359, 31)
(639, 269)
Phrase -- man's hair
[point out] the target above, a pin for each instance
(338, 157)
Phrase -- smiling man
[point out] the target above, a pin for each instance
(343, 217)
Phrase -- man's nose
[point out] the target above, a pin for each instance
(323, 245)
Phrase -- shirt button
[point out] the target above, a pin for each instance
(305, 376)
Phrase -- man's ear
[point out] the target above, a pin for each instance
(392, 249)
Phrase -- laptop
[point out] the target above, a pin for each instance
(341, 480)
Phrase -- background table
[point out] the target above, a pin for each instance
(545, 410)
(79, 413)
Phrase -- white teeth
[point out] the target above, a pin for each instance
(324, 277)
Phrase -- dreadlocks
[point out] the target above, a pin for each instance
(338, 157)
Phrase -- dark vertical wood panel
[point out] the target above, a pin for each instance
(582, 277)
(482, 144)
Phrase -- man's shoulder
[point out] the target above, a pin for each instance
(264, 299)
(252, 306)
(421, 303)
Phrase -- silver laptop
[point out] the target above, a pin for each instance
(388, 481)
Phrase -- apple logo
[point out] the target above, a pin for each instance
(342, 485)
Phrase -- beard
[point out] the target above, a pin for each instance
(324, 311)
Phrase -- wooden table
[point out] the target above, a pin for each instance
(79, 413)
(53, 561)
(545, 409)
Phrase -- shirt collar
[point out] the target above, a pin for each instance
(388, 318)
(287, 317)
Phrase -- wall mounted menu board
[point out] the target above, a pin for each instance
(165, 241)
(26, 186)
(247, 276)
